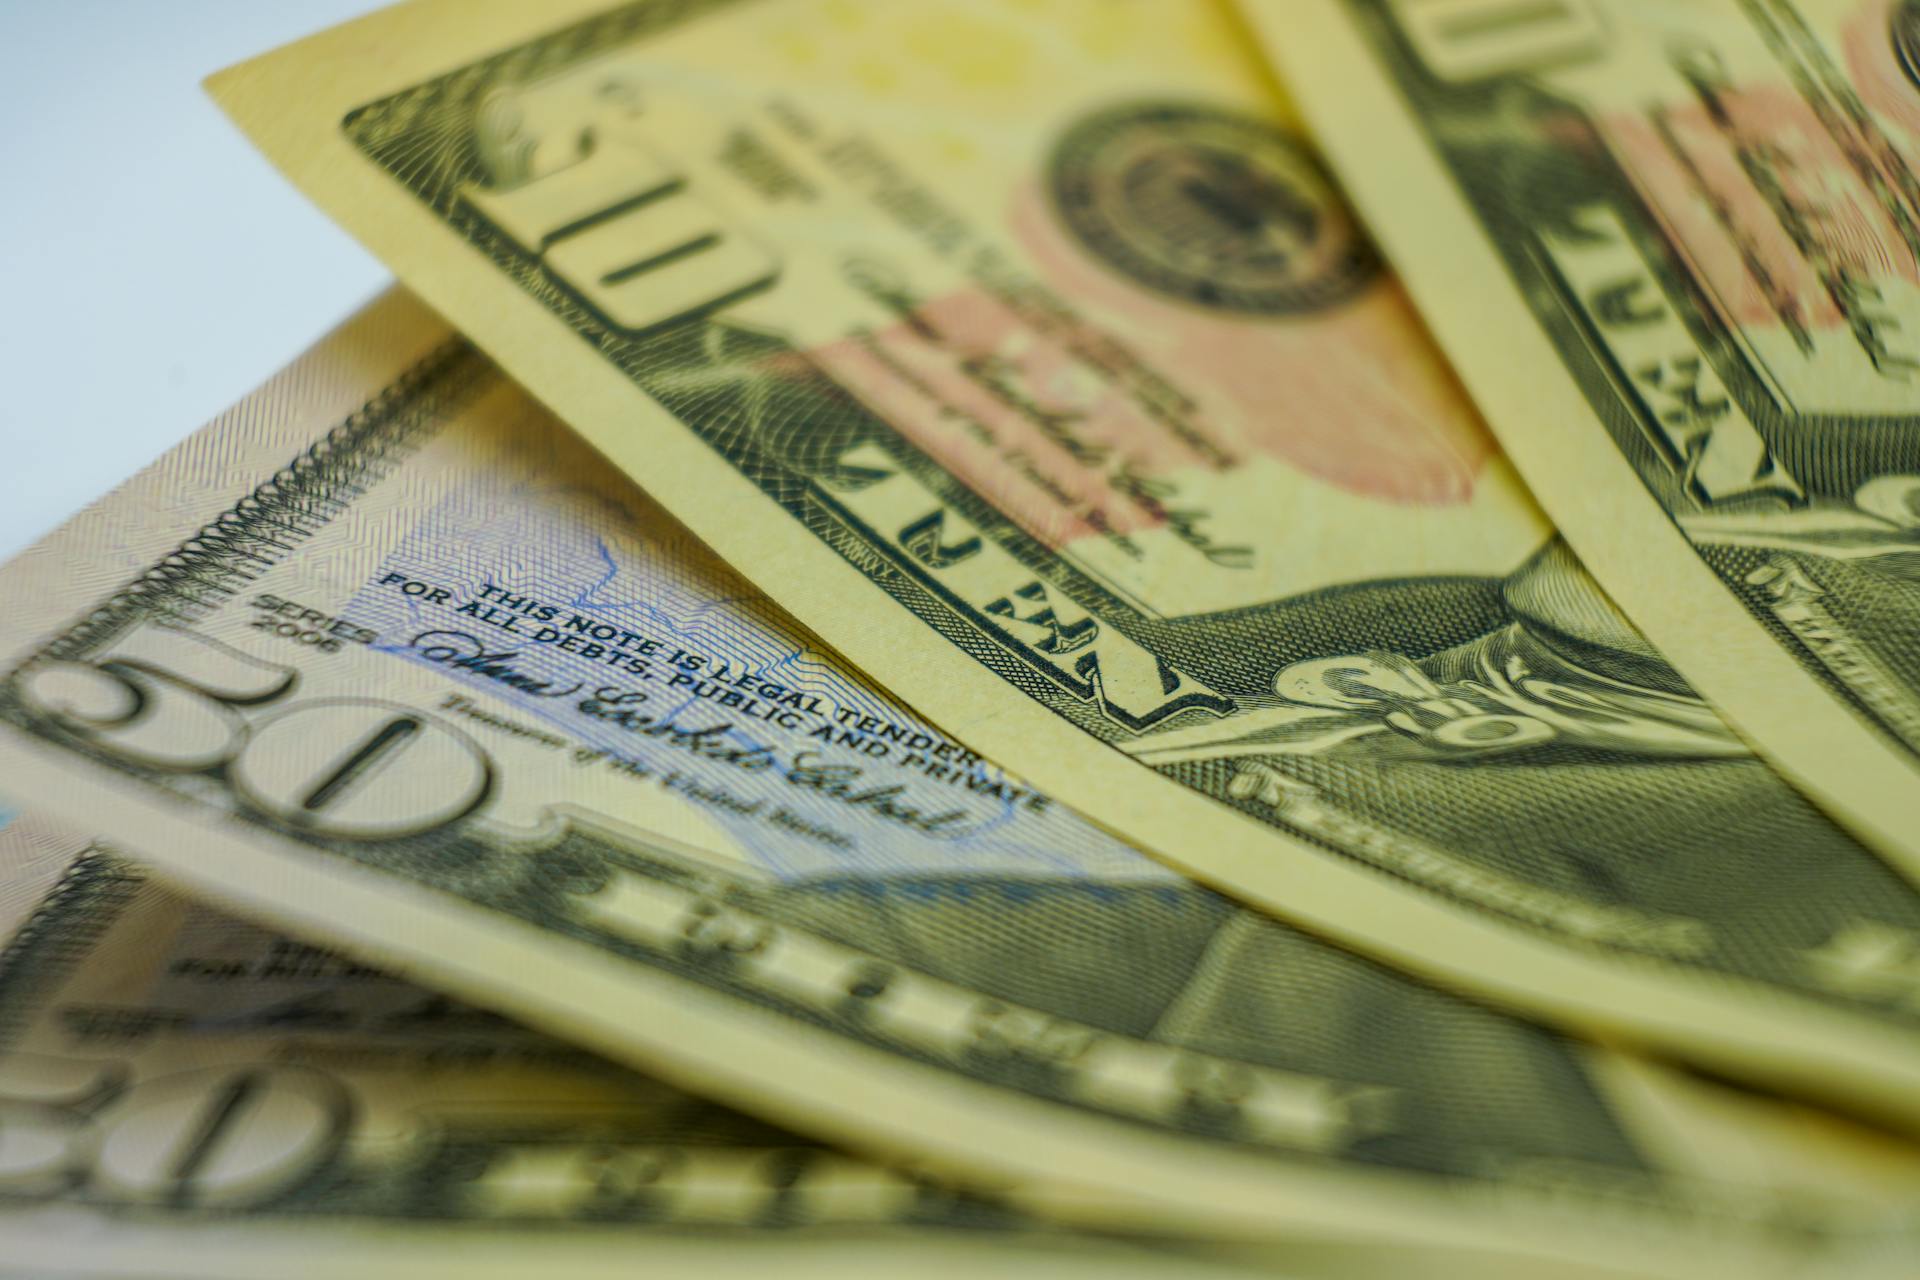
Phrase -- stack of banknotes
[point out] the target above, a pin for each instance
(1014, 637)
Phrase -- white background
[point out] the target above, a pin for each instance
(153, 268)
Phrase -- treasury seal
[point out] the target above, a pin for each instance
(1212, 207)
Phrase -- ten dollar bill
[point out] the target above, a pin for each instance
(1675, 252)
(1053, 384)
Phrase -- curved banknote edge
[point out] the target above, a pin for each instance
(1080, 415)
(185, 1093)
(1674, 251)
(425, 677)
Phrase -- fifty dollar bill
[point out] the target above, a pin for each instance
(183, 1093)
(391, 658)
